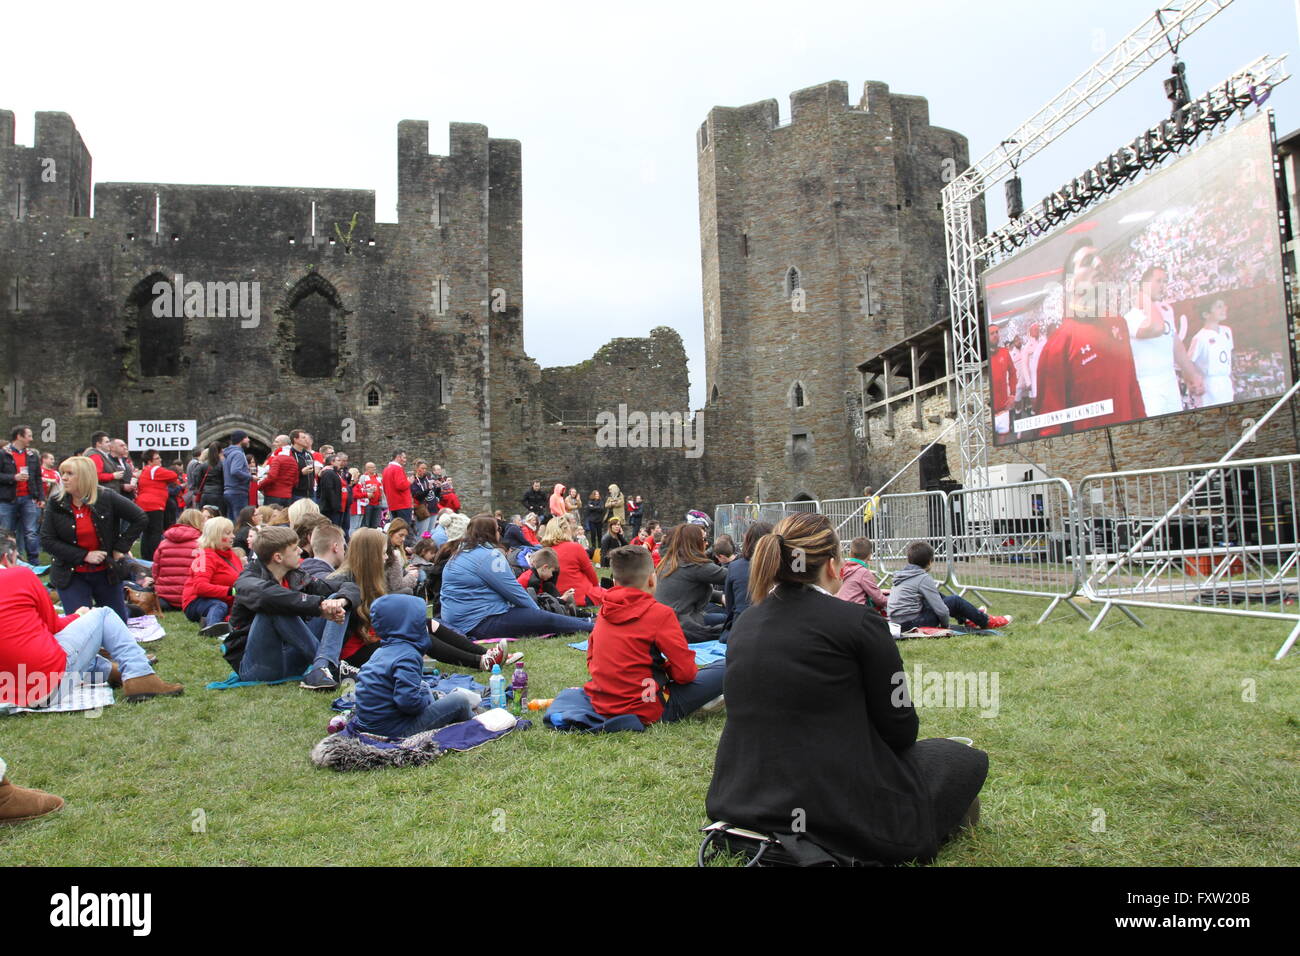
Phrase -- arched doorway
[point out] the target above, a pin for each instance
(219, 429)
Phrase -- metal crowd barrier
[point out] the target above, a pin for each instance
(735, 519)
(1214, 538)
(1017, 539)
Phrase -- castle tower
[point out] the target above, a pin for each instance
(822, 241)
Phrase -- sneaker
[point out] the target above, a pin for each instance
(495, 656)
(319, 678)
(348, 671)
(512, 660)
(715, 705)
(996, 622)
(220, 629)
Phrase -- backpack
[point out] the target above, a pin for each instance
(768, 849)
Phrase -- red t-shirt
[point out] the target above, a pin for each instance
(1003, 374)
(1084, 362)
(31, 660)
(87, 537)
(20, 462)
(51, 479)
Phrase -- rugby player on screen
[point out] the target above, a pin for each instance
(1212, 352)
(1088, 358)
(1158, 349)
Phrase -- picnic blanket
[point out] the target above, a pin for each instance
(352, 749)
(571, 710)
(234, 681)
(706, 652)
(84, 696)
(954, 631)
(146, 628)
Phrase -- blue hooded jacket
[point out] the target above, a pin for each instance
(477, 584)
(390, 688)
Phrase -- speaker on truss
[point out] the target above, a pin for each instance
(934, 466)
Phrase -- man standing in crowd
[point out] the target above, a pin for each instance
(330, 488)
(235, 474)
(370, 485)
(109, 473)
(635, 514)
(397, 486)
(535, 500)
(281, 475)
(123, 460)
(306, 464)
(22, 492)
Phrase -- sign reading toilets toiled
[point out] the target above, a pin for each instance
(162, 435)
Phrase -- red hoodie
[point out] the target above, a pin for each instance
(31, 660)
(212, 575)
(398, 487)
(630, 628)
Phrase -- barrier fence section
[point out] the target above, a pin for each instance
(1214, 538)
(1017, 539)
(735, 519)
(892, 522)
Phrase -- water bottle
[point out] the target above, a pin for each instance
(497, 687)
(519, 684)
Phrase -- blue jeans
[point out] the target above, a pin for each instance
(207, 611)
(21, 517)
(958, 607)
(686, 699)
(101, 628)
(714, 617)
(235, 503)
(330, 648)
(280, 646)
(406, 514)
(93, 589)
(438, 713)
(354, 522)
(524, 621)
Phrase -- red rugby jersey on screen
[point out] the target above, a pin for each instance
(1088, 361)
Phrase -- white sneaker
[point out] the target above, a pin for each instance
(713, 706)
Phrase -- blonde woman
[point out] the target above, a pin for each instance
(210, 588)
(85, 529)
(576, 570)
(301, 507)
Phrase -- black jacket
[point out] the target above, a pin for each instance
(110, 513)
(208, 484)
(607, 544)
(816, 720)
(594, 512)
(306, 483)
(513, 537)
(258, 592)
(329, 490)
(538, 502)
(9, 468)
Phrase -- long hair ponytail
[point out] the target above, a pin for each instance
(793, 553)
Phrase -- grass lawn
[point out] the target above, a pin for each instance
(1123, 747)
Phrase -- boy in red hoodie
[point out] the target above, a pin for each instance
(859, 581)
(637, 654)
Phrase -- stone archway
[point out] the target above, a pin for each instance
(220, 428)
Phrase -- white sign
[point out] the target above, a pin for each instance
(162, 435)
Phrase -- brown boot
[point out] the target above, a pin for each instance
(18, 804)
(151, 685)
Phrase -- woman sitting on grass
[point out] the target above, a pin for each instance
(839, 739)
(401, 579)
(209, 589)
(577, 573)
(481, 597)
(687, 578)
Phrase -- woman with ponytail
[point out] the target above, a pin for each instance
(687, 577)
(819, 720)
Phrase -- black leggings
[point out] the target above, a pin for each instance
(153, 533)
(452, 647)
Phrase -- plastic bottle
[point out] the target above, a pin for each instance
(540, 703)
(519, 684)
(497, 687)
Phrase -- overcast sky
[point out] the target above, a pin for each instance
(605, 100)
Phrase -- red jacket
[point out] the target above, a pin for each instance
(281, 477)
(28, 623)
(172, 560)
(212, 575)
(153, 482)
(630, 627)
(398, 487)
(577, 572)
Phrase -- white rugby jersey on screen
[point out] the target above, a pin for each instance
(1212, 352)
(1153, 360)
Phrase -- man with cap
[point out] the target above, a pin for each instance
(235, 473)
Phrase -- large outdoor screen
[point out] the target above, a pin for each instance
(1167, 298)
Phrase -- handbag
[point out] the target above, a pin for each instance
(421, 511)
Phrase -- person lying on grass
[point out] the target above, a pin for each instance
(637, 654)
(915, 601)
(280, 612)
(41, 651)
(392, 699)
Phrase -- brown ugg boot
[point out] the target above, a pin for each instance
(18, 803)
(137, 689)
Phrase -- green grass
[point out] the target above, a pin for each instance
(1148, 727)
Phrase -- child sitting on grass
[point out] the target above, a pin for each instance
(637, 654)
(915, 601)
(859, 581)
(545, 565)
(392, 699)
